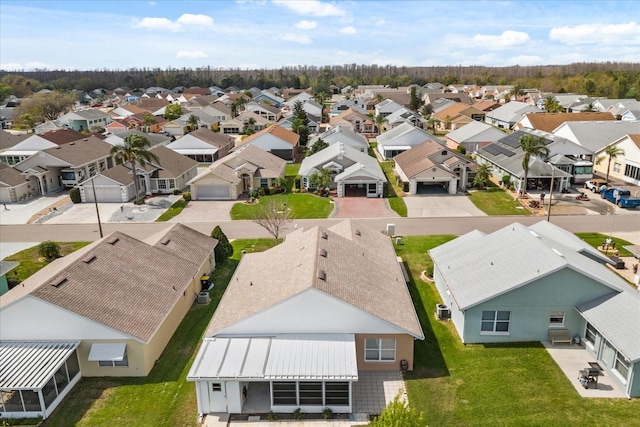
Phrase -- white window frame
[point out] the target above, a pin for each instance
(381, 345)
(616, 167)
(495, 321)
(619, 359)
(556, 319)
(162, 184)
(124, 363)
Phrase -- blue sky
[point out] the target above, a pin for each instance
(274, 33)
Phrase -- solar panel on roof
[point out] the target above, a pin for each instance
(492, 149)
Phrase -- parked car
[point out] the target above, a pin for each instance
(595, 184)
(620, 197)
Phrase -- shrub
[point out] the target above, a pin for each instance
(505, 180)
(223, 249)
(186, 196)
(267, 190)
(74, 194)
(176, 192)
(297, 414)
(512, 187)
(261, 192)
(429, 271)
(405, 187)
(327, 414)
(49, 250)
(271, 416)
(461, 149)
(296, 183)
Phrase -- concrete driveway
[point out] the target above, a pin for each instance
(21, 213)
(440, 205)
(203, 211)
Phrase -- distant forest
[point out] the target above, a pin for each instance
(608, 79)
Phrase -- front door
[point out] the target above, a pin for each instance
(217, 397)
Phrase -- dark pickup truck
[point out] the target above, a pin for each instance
(620, 197)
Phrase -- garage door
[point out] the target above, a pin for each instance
(432, 187)
(213, 192)
(104, 194)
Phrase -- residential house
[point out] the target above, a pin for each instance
(270, 98)
(401, 138)
(218, 111)
(313, 123)
(25, 149)
(344, 104)
(386, 108)
(351, 171)
(594, 136)
(154, 139)
(457, 115)
(357, 122)
(243, 170)
(200, 102)
(14, 187)
(473, 136)
(405, 115)
(266, 111)
(203, 145)
(298, 333)
(243, 122)
(80, 316)
(519, 283)
(276, 140)
(506, 156)
(172, 171)
(508, 115)
(5, 268)
(433, 165)
(549, 122)
(431, 97)
(626, 166)
(66, 165)
(486, 105)
(344, 136)
(86, 120)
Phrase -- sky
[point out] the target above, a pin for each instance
(266, 34)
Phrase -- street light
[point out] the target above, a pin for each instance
(553, 175)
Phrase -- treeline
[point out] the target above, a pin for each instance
(611, 79)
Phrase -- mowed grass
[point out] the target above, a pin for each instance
(302, 206)
(597, 239)
(496, 201)
(480, 385)
(30, 260)
(394, 191)
(164, 398)
(173, 210)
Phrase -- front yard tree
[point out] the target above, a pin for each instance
(49, 250)
(172, 111)
(135, 149)
(531, 146)
(193, 121)
(273, 217)
(223, 249)
(399, 414)
(611, 152)
(300, 123)
(320, 179)
(47, 106)
(319, 145)
(147, 120)
(414, 101)
(483, 172)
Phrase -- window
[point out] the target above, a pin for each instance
(590, 334)
(632, 171)
(621, 365)
(310, 393)
(172, 183)
(264, 182)
(495, 322)
(337, 394)
(216, 387)
(162, 184)
(556, 318)
(284, 393)
(380, 350)
(114, 363)
(616, 167)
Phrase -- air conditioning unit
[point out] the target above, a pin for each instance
(442, 312)
(203, 298)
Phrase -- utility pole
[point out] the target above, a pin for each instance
(95, 200)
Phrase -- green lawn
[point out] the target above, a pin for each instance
(164, 398)
(302, 205)
(291, 169)
(393, 191)
(30, 261)
(173, 210)
(477, 385)
(496, 201)
(596, 239)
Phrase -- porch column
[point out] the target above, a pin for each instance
(147, 183)
(452, 186)
(463, 178)
(40, 179)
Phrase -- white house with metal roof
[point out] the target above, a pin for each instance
(401, 138)
(297, 333)
(519, 283)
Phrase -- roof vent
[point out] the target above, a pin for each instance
(87, 259)
(534, 234)
(322, 275)
(358, 233)
(324, 235)
(113, 239)
(557, 252)
(165, 241)
(58, 281)
(323, 253)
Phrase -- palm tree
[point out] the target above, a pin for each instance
(193, 121)
(147, 120)
(380, 121)
(531, 146)
(552, 105)
(321, 98)
(611, 152)
(249, 126)
(134, 150)
(483, 172)
(432, 122)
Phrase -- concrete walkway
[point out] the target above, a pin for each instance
(20, 213)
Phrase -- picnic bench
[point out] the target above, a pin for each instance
(559, 335)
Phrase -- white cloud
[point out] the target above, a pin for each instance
(380, 22)
(628, 33)
(348, 30)
(311, 7)
(191, 54)
(164, 24)
(525, 60)
(306, 25)
(36, 64)
(302, 39)
(507, 39)
(152, 3)
(11, 66)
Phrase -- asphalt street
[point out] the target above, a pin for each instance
(247, 229)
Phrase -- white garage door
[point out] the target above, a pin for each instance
(213, 192)
(104, 194)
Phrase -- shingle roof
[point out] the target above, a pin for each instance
(277, 131)
(216, 139)
(419, 158)
(127, 285)
(550, 121)
(172, 164)
(597, 135)
(512, 111)
(479, 267)
(8, 140)
(62, 136)
(360, 269)
(80, 152)
(120, 174)
(10, 177)
(404, 135)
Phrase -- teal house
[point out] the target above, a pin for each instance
(521, 283)
(6, 267)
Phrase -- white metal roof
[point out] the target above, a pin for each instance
(28, 365)
(299, 357)
(107, 351)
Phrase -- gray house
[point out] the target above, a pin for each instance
(519, 283)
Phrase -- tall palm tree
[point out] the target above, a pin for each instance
(552, 105)
(134, 150)
(531, 146)
(193, 121)
(380, 121)
(483, 172)
(611, 152)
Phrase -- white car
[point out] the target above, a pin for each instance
(595, 184)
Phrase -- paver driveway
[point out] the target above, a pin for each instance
(362, 207)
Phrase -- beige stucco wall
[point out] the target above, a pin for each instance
(404, 350)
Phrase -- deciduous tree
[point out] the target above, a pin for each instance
(223, 249)
(172, 111)
(399, 414)
(273, 217)
(47, 106)
(49, 250)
